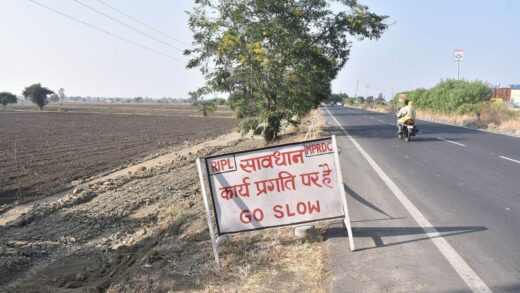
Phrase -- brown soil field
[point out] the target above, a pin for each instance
(139, 109)
(43, 152)
(147, 232)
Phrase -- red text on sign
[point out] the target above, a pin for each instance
(246, 216)
(318, 148)
(301, 208)
(223, 165)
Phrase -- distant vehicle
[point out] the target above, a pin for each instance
(339, 103)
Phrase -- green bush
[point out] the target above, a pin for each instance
(247, 125)
(450, 96)
(349, 101)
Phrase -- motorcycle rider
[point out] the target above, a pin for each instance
(407, 112)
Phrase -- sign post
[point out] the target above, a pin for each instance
(208, 214)
(275, 186)
(346, 220)
(458, 55)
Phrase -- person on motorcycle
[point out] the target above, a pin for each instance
(406, 113)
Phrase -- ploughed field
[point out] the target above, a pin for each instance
(43, 152)
(129, 108)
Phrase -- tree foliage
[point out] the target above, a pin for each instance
(37, 94)
(206, 106)
(276, 59)
(7, 98)
(380, 100)
(54, 98)
(450, 96)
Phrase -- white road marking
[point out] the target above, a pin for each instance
(506, 158)
(467, 274)
(447, 140)
(508, 209)
(380, 120)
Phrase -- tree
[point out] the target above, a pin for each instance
(380, 100)
(370, 99)
(276, 59)
(206, 107)
(54, 98)
(7, 98)
(360, 99)
(61, 94)
(37, 94)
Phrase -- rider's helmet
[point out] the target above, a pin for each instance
(406, 101)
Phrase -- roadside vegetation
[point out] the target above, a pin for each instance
(275, 59)
(462, 102)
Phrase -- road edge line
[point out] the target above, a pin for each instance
(509, 159)
(453, 142)
(467, 274)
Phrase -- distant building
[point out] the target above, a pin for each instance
(515, 94)
(508, 94)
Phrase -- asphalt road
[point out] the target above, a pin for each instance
(465, 182)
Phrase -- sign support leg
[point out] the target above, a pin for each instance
(343, 196)
(208, 214)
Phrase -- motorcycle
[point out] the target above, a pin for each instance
(408, 130)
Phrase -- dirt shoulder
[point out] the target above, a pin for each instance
(146, 231)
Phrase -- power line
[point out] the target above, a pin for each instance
(106, 32)
(127, 25)
(142, 23)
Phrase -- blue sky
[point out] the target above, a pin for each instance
(41, 46)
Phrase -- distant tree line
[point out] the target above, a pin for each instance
(345, 99)
(42, 96)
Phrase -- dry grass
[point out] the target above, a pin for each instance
(271, 260)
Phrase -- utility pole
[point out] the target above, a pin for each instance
(357, 86)
(458, 69)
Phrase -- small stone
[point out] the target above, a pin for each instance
(80, 276)
(305, 231)
(76, 191)
(140, 232)
(117, 246)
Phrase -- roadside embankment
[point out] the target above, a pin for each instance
(145, 231)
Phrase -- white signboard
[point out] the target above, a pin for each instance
(276, 186)
(515, 96)
(458, 55)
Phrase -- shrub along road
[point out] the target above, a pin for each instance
(462, 182)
